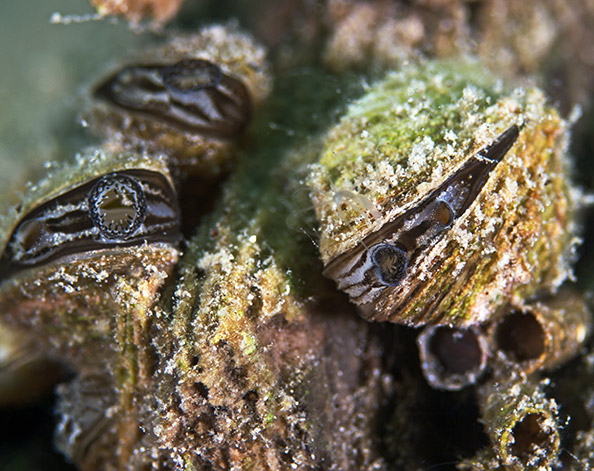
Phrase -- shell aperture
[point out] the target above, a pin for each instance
(117, 206)
(193, 95)
(120, 209)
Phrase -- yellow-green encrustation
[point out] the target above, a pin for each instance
(401, 142)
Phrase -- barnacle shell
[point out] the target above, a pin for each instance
(240, 60)
(79, 294)
(452, 358)
(542, 334)
(522, 422)
(408, 138)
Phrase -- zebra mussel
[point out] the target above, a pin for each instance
(235, 344)
(191, 95)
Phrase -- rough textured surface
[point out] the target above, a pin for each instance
(521, 422)
(245, 350)
(243, 361)
(391, 150)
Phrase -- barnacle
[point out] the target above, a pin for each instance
(191, 98)
(451, 357)
(475, 207)
(537, 335)
(542, 334)
(521, 422)
(239, 355)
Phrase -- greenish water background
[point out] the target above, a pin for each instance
(44, 69)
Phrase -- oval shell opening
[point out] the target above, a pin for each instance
(456, 350)
(531, 437)
(452, 358)
(520, 336)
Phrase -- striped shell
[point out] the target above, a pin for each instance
(108, 218)
(441, 197)
(104, 200)
(191, 98)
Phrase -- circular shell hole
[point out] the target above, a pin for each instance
(117, 206)
(457, 351)
(391, 263)
(520, 336)
(529, 437)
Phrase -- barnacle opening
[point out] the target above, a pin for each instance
(452, 358)
(457, 351)
(117, 206)
(391, 263)
(520, 336)
(530, 435)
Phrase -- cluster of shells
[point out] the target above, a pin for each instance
(173, 271)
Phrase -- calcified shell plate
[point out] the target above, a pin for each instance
(441, 196)
(191, 98)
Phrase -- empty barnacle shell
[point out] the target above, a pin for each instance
(471, 183)
(451, 357)
(192, 97)
(541, 334)
(522, 422)
(92, 240)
